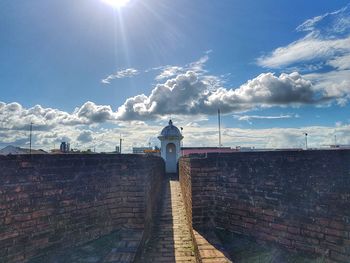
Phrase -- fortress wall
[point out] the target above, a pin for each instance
(296, 199)
(50, 201)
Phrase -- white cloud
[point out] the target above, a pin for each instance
(334, 84)
(249, 118)
(309, 25)
(85, 136)
(306, 49)
(124, 73)
(196, 66)
(323, 54)
(337, 21)
(188, 94)
(198, 133)
(340, 62)
(15, 117)
(328, 35)
(92, 113)
(169, 71)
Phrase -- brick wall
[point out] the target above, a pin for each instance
(186, 186)
(297, 199)
(186, 189)
(50, 201)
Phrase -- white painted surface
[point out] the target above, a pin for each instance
(170, 138)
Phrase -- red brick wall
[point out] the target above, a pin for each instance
(186, 189)
(186, 186)
(300, 199)
(50, 201)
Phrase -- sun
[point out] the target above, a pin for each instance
(117, 3)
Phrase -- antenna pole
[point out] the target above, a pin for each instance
(219, 121)
(120, 144)
(182, 142)
(30, 137)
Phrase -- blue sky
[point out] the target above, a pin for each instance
(85, 71)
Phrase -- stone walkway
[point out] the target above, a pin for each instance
(118, 247)
(210, 248)
(171, 239)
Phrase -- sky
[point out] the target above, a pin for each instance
(90, 71)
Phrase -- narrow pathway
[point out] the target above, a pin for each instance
(210, 248)
(171, 239)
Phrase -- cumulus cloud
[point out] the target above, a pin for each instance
(323, 54)
(187, 94)
(92, 113)
(85, 136)
(196, 134)
(124, 73)
(14, 116)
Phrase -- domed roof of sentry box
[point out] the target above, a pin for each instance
(170, 131)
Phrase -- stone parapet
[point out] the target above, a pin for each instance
(296, 199)
(55, 201)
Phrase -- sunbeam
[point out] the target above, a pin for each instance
(117, 3)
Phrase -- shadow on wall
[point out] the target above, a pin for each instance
(56, 202)
(210, 247)
(293, 199)
(161, 245)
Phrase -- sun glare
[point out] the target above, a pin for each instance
(117, 3)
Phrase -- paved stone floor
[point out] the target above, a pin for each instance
(117, 247)
(243, 249)
(171, 239)
(210, 248)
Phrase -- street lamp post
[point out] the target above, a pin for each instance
(305, 140)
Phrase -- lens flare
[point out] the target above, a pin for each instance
(117, 3)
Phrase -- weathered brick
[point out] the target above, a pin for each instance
(56, 201)
(339, 257)
(334, 232)
(293, 230)
(297, 197)
(8, 235)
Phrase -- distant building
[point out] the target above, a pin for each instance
(146, 150)
(339, 146)
(117, 149)
(141, 150)
(11, 150)
(55, 151)
(155, 152)
(65, 147)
